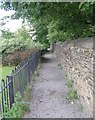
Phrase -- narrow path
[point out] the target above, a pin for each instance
(49, 94)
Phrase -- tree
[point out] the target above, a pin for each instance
(55, 21)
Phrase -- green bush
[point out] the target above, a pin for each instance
(21, 43)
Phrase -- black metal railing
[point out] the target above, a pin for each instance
(18, 80)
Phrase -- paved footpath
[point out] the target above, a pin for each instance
(49, 94)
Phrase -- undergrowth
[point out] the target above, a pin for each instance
(19, 107)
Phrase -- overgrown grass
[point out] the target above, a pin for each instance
(4, 71)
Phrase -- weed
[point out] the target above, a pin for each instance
(18, 109)
(60, 66)
(36, 73)
(80, 107)
(72, 94)
(70, 83)
(66, 77)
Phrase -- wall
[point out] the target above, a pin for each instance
(77, 59)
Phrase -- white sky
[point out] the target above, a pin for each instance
(6, 13)
(12, 25)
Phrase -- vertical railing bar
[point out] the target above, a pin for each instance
(2, 98)
(29, 68)
(4, 90)
(11, 90)
(7, 86)
(7, 92)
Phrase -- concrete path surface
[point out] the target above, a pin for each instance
(49, 94)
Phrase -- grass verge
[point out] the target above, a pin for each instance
(4, 71)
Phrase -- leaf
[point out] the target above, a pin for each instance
(81, 4)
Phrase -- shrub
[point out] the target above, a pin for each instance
(18, 56)
(17, 48)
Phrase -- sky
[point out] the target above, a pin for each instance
(12, 25)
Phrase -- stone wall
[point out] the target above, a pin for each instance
(76, 56)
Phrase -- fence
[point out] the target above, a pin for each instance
(18, 80)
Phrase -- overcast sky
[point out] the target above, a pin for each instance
(13, 25)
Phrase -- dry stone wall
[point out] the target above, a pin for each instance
(76, 56)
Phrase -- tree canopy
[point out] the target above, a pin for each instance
(56, 21)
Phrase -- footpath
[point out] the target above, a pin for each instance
(49, 94)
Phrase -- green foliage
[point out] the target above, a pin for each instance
(72, 94)
(7, 34)
(4, 71)
(56, 21)
(19, 41)
(18, 108)
(61, 20)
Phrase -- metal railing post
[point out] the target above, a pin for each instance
(29, 70)
(11, 90)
